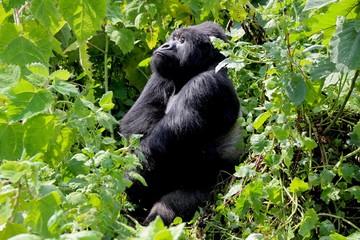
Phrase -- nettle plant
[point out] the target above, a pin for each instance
(300, 103)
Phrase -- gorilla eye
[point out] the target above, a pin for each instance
(182, 40)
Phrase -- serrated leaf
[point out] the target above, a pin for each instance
(38, 132)
(259, 121)
(46, 13)
(345, 43)
(11, 140)
(297, 185)
(259, 143)
(84, 16)
(61, 75)
(39, 69)
(9, 76)
(13, 170)
(22, 51)
(309, 222)
(26, 101)
(8, 33)
(122, 37)
(106, 101)
(65, 88)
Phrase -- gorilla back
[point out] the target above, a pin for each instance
(187, 115)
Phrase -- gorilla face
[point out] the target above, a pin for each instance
(186, 53)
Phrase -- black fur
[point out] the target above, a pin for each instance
(187, 114)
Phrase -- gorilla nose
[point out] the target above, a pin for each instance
(166, 46)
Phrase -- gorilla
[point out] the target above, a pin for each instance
(187, 116)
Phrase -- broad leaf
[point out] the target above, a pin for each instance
(26, 101)
(46, 13)
(122, 37)
(84, 16)
(9, 75)
(11, 140)
(22, 51)
(295, 89)
(345, 43)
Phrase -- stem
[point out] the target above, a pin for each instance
(338, 217)
(352, 86)
(106, 74)
(352, 154)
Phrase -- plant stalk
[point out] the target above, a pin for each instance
(352, 86)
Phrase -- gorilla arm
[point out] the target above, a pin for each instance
(205, 106)
(149, 108)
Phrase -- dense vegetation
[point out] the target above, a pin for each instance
(69, 70)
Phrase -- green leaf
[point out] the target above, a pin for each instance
(307, 143)
(11, 140)
(26, 101)
(348, 171)
(326, 228)
(65, 88)
(22, 51)
(38, 132)
(5, 211)
(245, 171)
(9, 76)
(326, 177)
(60, 75)
(46, 13)
(281, 132)
(13, 170)
(15, 231)
(295, 89)
(355, 135)
(41, 210)
(84, 16)
(260, 144)
(122, 37)
(355, 190)
(8, 33)
(308, 223)
(345, 43)
(105, 119)
(106, 101)
(316, 4)
(259, 121)
(297, 185)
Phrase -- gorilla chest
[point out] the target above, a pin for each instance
(171, 102)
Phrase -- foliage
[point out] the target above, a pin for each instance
(69, 70)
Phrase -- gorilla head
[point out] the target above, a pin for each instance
(188, 51)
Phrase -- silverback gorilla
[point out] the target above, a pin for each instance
(187, 115)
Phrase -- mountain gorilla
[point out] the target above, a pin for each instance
(187, 115)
